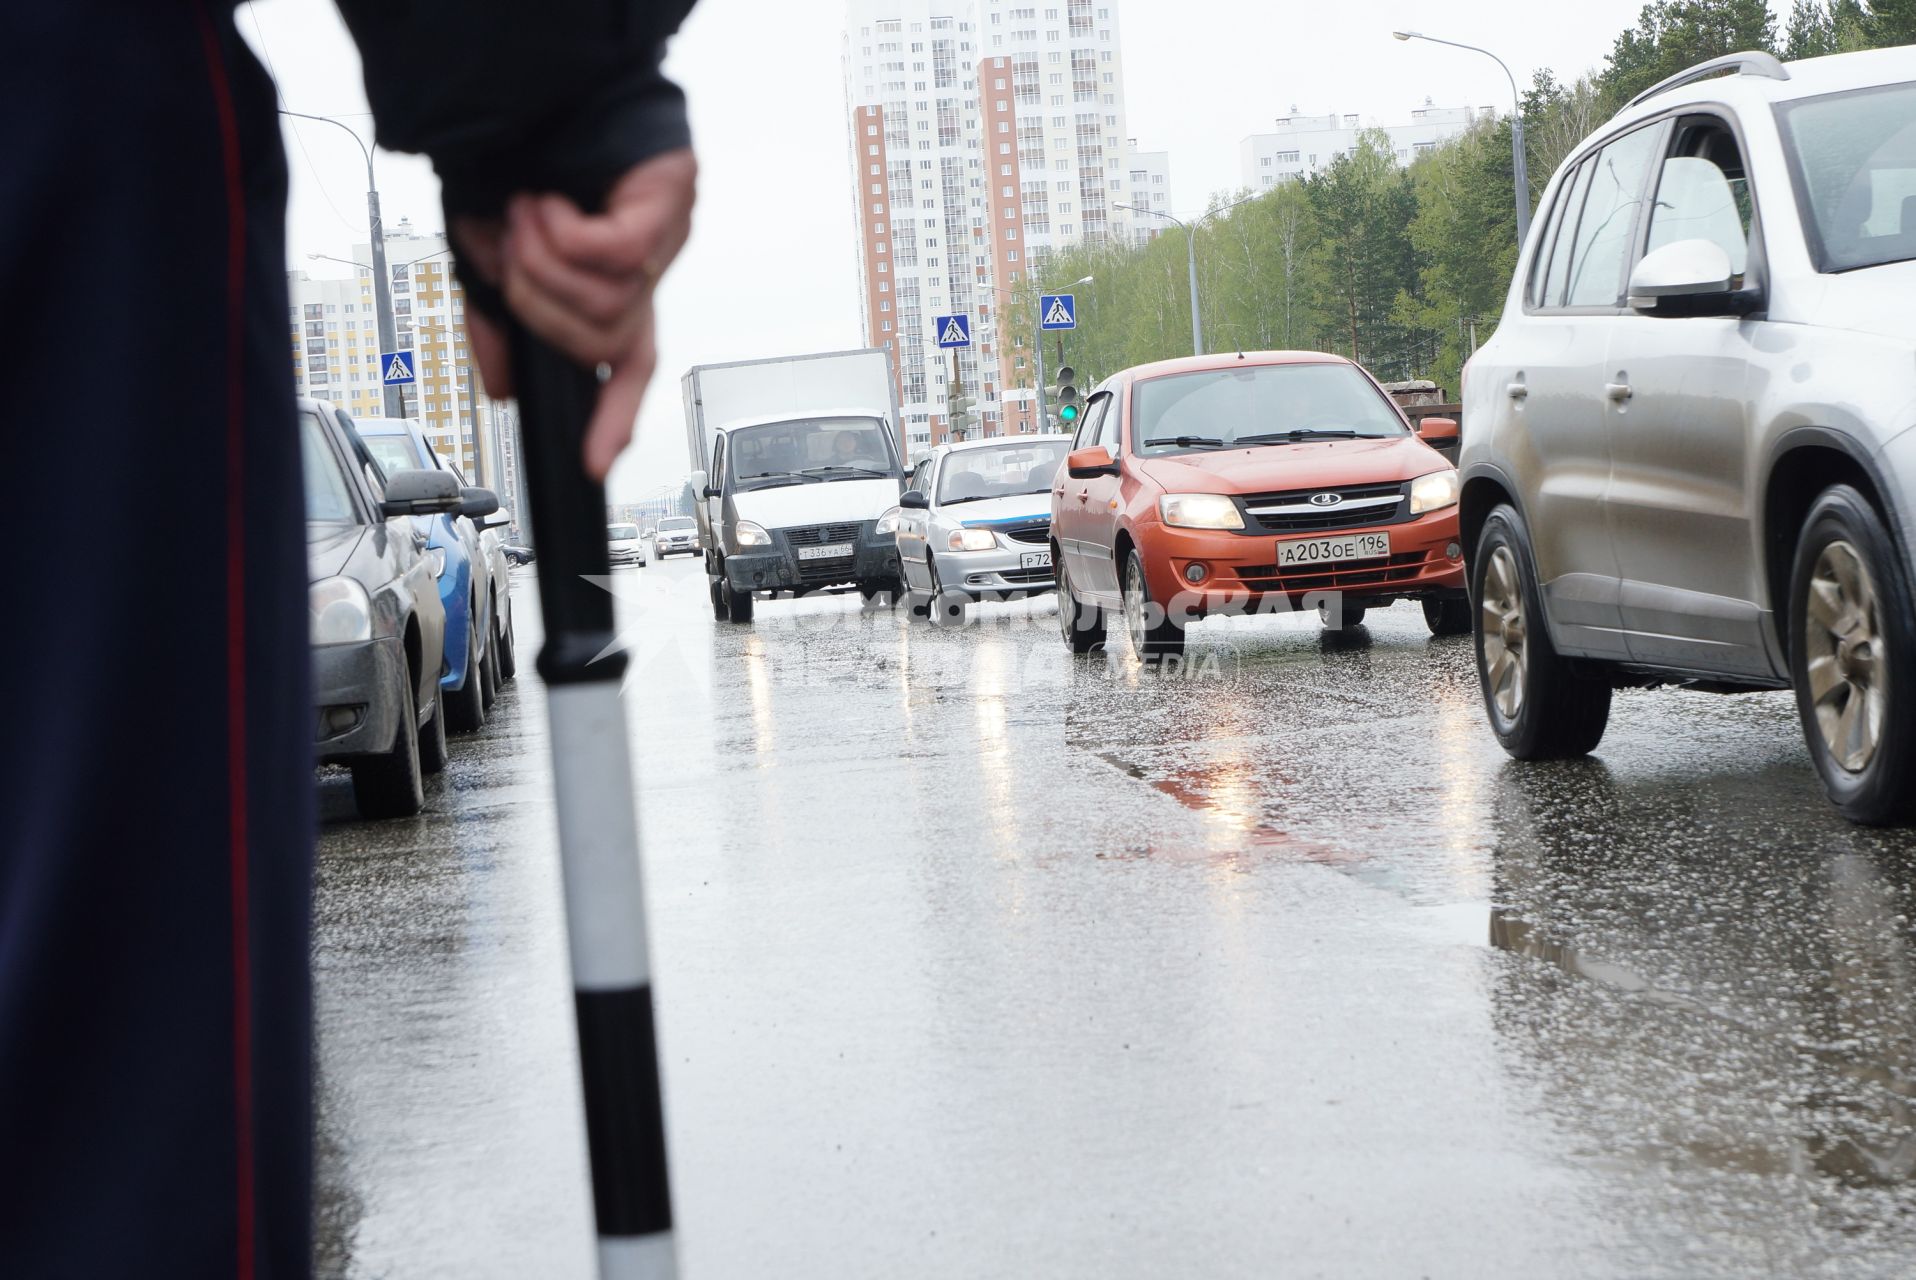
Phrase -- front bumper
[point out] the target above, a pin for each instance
(873, 562)
(1242, 575)
(355, 695)
(999, 571)
(675, 546)
(626, 557)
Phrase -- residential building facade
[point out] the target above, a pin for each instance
(1149, 187)
(1304, 145)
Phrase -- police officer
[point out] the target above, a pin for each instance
(156, 791)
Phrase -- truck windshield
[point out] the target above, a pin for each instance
(810, 450)
(1258, 404)
(1007, 471)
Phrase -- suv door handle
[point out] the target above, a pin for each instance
(1618, 391)
(1517, 390)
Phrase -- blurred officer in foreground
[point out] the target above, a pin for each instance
(156, 807)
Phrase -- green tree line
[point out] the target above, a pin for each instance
(1405, 268)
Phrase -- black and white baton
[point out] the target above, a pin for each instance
(598, 822)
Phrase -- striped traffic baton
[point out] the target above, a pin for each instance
(598, 821)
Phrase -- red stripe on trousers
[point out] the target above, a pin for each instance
(236, 637)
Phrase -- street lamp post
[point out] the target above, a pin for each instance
(382, 287)
(1519, 165)
(1190, 262)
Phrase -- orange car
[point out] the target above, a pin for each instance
(1248, 483)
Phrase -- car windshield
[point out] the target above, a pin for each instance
(1005, 471)
(393, 453)
(1854, 160)
(328, 493)
(810, 450)
(1257, 404)
(676, 522)
(621, 532)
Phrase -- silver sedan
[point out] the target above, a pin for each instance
(975, 523)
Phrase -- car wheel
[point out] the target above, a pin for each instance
(392, 785)
(738, 605)
(1448, 617)
(1154, 633)
(508, 663)
(1082, 625)
(1853, 659)
(721, 610)
(1347, 617)
(489, 669)
(467, 703)
(947, 608)
(1541, 706)
(433, 753)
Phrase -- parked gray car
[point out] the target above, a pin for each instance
(1687, 451)
(377, 624)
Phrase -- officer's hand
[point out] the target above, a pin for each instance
(584, 283)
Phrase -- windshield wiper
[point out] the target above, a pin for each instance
(976, 497)
(858, 471)
(784, 478)
(1187, 442)
(1307, 433)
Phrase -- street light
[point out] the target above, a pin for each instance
(1519, 166)
(1190, 261)
(382, 289)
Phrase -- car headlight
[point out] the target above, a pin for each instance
(1199, 511)
(438, 557)
(748, 534)
(1433, 492)
(888, 523)
(973, 539)
(338, 612)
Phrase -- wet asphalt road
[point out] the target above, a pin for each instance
(973, 960)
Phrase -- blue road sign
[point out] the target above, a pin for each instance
(953, 331)
(1057, 311)
(398, 367)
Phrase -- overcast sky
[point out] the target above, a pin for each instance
(771, 268)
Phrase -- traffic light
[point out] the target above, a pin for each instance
(1065, 394)
(958, 413)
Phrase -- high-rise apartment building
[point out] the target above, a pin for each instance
(1149, 187)
(984, 136)
(1303, 145)
(336, 355)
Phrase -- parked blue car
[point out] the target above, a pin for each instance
(474, 582)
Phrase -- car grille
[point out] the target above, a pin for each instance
(817, 535)
(1346, 577)
(1036, 534)
(1358, 506)
(1026, 576)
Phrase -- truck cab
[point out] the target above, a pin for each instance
(793, 504)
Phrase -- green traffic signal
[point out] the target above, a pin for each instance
(1068, 413)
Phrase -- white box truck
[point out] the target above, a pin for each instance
(796, 466)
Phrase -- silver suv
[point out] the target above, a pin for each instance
(1688, 454)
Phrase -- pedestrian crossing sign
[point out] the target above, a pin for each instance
(1057, 311)
(398, 367)
(953, 331)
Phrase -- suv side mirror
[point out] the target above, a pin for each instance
(914, 500)
(416, 492)
(1087, 464)
(476, 503)
(1697, 272)
(1438, 431)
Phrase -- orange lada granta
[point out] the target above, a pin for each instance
(1248, 483)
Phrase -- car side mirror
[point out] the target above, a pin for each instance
(914, 500)
(1438, 431)
(416, 492)
(1088, 464)
(500, 519)
(1692, 271)
(476, 503)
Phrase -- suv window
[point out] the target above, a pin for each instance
(1558, 268)
(1703, 193)
(1853, 156)
(1607, 223)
